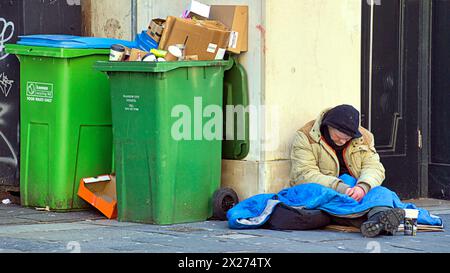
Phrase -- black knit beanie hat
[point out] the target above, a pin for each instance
(344, 118)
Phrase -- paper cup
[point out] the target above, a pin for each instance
(410, 223)
(117, 53)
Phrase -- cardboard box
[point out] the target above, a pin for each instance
(100, 192)
(136, 55)
(156, 28)
(206, 39)
(198, 10)
(236, 19)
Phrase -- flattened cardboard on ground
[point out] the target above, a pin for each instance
(420, 228)
(100, 192)
(156, 28)
(236, 19)
(206, 39)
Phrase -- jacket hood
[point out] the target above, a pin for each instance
(315, 131)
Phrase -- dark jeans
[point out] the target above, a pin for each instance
(356, 222)
(285, 217)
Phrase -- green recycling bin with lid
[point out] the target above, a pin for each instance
(65, 123)
(167, 128)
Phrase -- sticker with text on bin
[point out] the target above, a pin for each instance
(131, 103)
(40, 92)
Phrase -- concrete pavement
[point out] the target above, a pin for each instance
(31, 231)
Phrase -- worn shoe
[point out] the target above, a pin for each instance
(383, 222)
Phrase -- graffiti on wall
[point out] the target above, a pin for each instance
(5, 84)
(10, 158)
(6, 33)
(8, 155)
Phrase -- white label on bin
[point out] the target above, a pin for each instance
(212, 48)
(131, 103)
(40, 92)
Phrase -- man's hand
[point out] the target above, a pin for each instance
(356, 193)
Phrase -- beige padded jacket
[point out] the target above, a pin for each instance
(314, 161)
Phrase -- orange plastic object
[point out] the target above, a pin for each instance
(100, 192)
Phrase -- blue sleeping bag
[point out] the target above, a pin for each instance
(255, 211)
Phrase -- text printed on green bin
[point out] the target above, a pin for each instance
(40, 92)
(131, 103)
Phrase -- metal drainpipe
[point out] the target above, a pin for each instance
(133, 19)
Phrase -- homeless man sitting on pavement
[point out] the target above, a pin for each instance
(336, 178)
(335, 145)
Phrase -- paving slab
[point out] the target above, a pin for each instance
(16, 230)
(17, 245)
(17, 210)
(111, 223)
(46, 217)
(5, 220)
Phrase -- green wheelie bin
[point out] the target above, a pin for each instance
(167, 135)
(65, 130)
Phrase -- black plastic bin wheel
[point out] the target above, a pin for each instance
(223, 200)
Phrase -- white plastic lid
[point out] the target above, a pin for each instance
(175, 51)
(411, 213)
(149, 58)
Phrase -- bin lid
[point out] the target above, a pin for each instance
(145, 67)
(52, 52)
(70, 41)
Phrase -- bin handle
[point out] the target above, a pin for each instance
(230, 62)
